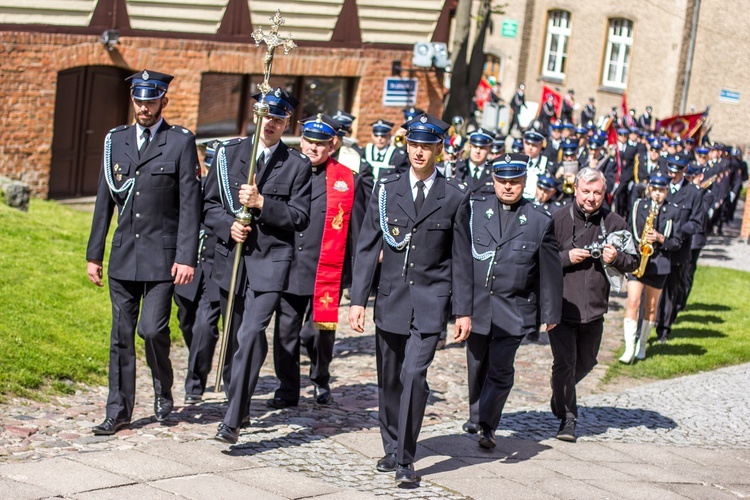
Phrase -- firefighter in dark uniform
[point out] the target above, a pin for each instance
(150, 174)
(308, 311)
(199, 308)
(588, 113)
(517, 285)
(420, 221)
(546, 190)
(474, 171)
(280, 203)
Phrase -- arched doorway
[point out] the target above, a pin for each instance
(90, 100)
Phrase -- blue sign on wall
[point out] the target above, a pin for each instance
(729, 96)
(400, 92)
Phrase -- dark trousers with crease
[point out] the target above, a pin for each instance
(153, 300)
(250, 353)
(199, 321)
(499, 380)
(402, 362)
(574, 350)
(477, 362)
(293, 327)
(666, 311)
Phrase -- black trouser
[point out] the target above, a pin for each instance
(689, 275)
(477, 362)
(252, 347)
(667, 310)
(574, 350)
(153, 299)
(294, 325)
(199, 324)
(500, 377)
(402, 362)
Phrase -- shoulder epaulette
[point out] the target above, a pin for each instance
(232, 142)
(540, 208)
(297, 153)
(478, 197)
(456, 184)
(180, 129)
(400, 151)
(119, 129)
(389, 178)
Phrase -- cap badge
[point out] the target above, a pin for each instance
(278, 92)
(145, 75)
(522, 219)
(489, 213)
(423, 119)
(507, 158)
(395, 231)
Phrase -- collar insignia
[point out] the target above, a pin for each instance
(489, 213)
(522, 219)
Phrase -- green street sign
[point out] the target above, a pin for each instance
(510, 28)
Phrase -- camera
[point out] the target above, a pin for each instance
(595, 249)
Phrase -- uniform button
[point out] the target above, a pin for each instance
(137, 216)
(411, 282)
(247, 248)
(301, 235)
(299, 248)
(414, 230)
(203, 259)
(138, 173)
(524, 247)
(137, 236)
(162, 169)
(414, 247)
(411, 264)
(492, 293)
(498, 248)
(493, 277)
(137, 193)
(438, 225)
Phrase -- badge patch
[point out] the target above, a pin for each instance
(341, 186)
(522, 219)
(489, 213)
(395, 231)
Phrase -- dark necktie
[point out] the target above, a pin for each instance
(144, 144)
(381, 156)
(419, 201)
(261, 161)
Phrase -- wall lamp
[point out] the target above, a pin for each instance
(110, 38)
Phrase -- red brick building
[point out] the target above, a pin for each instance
(62, 86)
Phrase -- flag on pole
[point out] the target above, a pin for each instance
(557, 98)
(682, 125)
(483, 92)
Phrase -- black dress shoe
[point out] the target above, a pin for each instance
(193, 399)
(163, 407)
(470, 427)
(245, 422)
(486, 438)
(109, 427)
(567, 430)
(280, 403)
(406, 474)
(323, 395)
(226, 434)
(387, 463)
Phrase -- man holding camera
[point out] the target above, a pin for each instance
(581, 230)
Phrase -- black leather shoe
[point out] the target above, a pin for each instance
(486, 437)
(245, 422)
(193, 399)
(323, 395)
(470, 427)
(280, 403)
(387, 463)
(226, 434)
(567, 430)
(406, 474)
(163, 407)
(109, 427)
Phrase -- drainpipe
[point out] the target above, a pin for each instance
(691, 51)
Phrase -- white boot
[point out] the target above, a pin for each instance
(643, 340)
(630, 330)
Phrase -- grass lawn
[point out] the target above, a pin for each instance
(713, 332)
(54, 324)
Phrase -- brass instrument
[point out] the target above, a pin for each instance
(645, 248)
(706, 183)
(399, 141)
(568, 187)
(245, 217)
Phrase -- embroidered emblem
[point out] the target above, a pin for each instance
(489, 213)
(326, 300)
(278, 92)
(423, 119)
(341, 186)
(522, 219)
(145, 75)
(338, 220)
(395, 231)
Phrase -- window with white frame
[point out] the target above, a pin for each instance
(556, 45)
(617, 58)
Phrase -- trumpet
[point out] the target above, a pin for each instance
(568, 187)
(399, 141)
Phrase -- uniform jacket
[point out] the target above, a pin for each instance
(463, 174)
(159, 215)
(689, 201)
(520, 286)
(585, 286)
(433, 277)
(667, 223)
(307, 242)
(284, 182)
(699, 240)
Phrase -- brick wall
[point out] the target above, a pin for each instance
(31, 62)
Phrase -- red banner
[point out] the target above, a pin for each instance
(546, 91)
(483, 92)
(683, 125)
